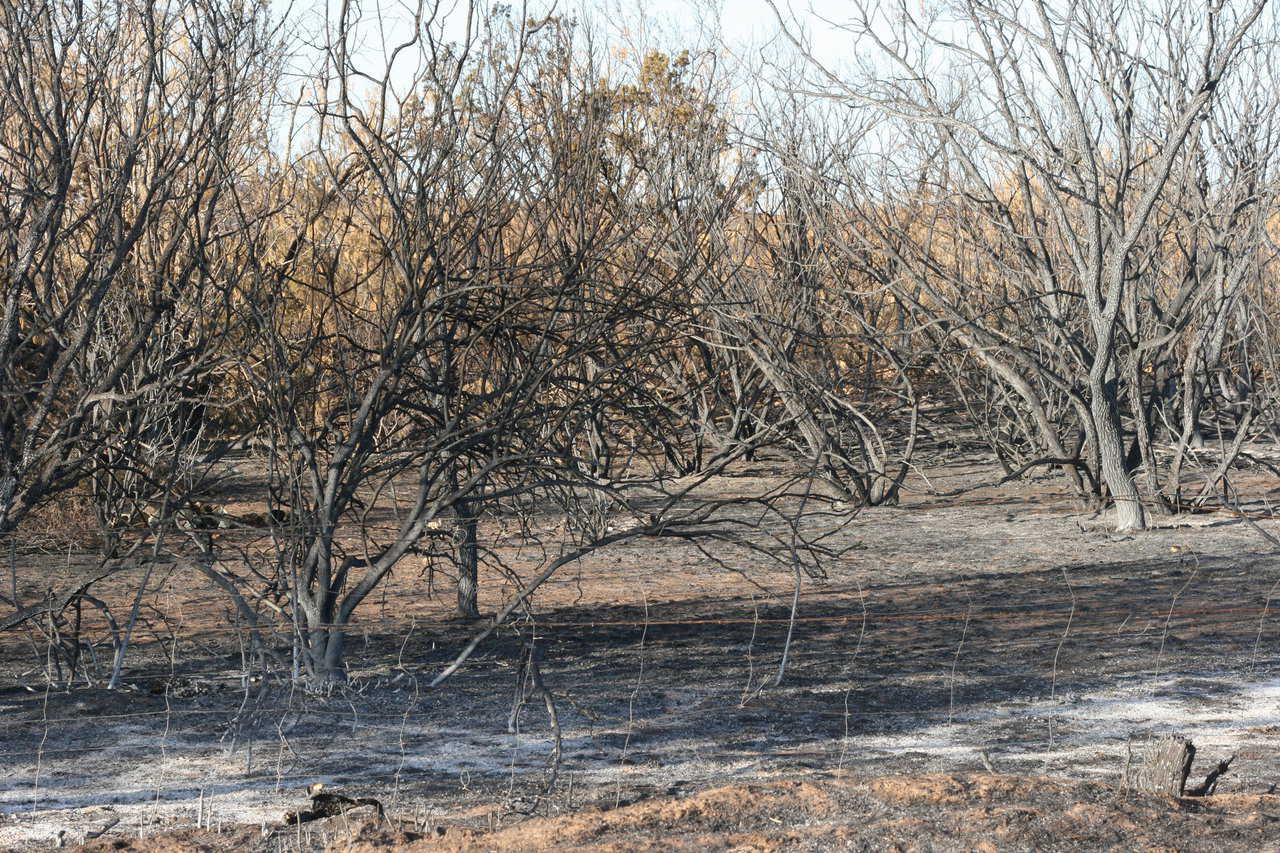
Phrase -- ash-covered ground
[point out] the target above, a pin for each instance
(1001, 632)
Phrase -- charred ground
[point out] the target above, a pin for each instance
(1000, 632)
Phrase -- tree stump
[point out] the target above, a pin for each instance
(1163, 767)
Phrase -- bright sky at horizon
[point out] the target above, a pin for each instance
(747, 30)
(744, 26)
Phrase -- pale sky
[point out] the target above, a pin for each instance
(747, 29)
(744, 25)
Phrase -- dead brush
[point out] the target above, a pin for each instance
(65, 521)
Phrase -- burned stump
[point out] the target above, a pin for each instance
(1162, 768)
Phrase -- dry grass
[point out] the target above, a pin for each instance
(824, 812)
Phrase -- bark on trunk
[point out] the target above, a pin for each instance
(467, 558)
(329, 667)
(323, 657)
(1164, 767)
(1106, 421)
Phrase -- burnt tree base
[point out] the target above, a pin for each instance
(1163, 767)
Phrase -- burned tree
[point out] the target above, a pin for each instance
(123, 128)
(471, 311)
(1043, 144)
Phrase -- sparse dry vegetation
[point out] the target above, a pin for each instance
(391, 362)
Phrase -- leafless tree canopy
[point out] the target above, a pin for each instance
(504, 275)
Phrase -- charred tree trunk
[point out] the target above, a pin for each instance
(1104, 409)
(1163, 768)
(466, 556)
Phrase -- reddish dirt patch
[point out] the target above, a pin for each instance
(946, 812)
(738, 817)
